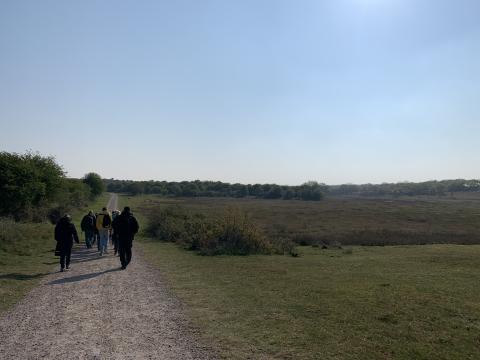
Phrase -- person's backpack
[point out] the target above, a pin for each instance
(132, 225)
(107, 221)
(128, 225)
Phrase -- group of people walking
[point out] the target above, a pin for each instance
(119, 227)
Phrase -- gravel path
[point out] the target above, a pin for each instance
(98, 311)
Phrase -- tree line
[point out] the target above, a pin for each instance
(35, 187)
(426, 188)
(311, 190)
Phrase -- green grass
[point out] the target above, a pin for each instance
(395, 302)
(416, 302)
(26, 254)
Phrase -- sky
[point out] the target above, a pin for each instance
(249, 91)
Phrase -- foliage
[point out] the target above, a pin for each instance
(26, 182)
(168, 224)
(33, 187)
(427, 188)
(197, 188)
(233, 233)
(310, 191)
(74, 194)
(94, 181)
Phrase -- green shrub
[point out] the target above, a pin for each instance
(34, 187)
(237, 235)
(167, 224)
(232, 234)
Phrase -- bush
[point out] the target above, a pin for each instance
(95, 183)
(232, 234)
(33, 187)
(168, 224)
(235, 234)
(26, 182)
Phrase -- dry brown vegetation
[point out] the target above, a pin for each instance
(349, 221)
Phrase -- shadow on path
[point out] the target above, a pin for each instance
(83, 255)
(81, 277)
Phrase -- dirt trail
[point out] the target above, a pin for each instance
(113, 202)
(97, 311)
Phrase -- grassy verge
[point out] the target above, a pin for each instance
(396, 302)
(26, 255)
(417, 302)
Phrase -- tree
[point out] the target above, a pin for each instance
(311, 190)
(275, 192)
(27, 181)
(95, 182)
(136, 188)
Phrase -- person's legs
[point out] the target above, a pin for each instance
(103, 240)
(67, 257)
(92, 239)
(115, 243)
(62, 262)
(128, 253)
(121, 250)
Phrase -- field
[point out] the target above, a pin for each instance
(26, 254)
(350, 221)
(357, 302)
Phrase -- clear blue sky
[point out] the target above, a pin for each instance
(245, 91)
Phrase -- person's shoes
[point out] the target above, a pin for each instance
(68, 267)
(123, 267)
(62, 270)
(101, 253)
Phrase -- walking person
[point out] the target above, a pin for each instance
(88, 227)
(104, 224)
(65, 234)
(115, 215)
(127, 227)
(96, 237)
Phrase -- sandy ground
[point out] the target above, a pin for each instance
(98, 311)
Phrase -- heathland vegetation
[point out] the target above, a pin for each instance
(332, 302)
(200, 223)
(220, 218)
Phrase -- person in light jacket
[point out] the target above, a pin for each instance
(104, 224)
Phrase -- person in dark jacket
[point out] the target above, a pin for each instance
(88, 227)
(65, 234)
(115, 215)
(96, 237)
(126, 227)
